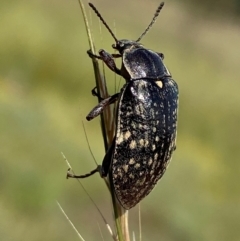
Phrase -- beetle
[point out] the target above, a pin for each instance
(146, 119)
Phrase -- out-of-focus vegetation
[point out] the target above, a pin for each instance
(45, 83)
(221, 6)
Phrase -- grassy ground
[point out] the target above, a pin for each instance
(45, 83)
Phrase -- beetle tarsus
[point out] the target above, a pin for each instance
(95, 93)
(91, 55)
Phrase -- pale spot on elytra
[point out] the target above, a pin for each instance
(125, 168)
(159, 83)
(137, 165)
(141, 142)
(133, 144)
(119, 173)
(150, 161)
(119, 138)
(146, 143)
(131, 161)
(131, 176)
(127, 135)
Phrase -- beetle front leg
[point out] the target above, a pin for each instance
(107, 58)
(109, 61)
(97, 110)
(91, 55)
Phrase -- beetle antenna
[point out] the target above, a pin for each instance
(103, 21)
(152, 22)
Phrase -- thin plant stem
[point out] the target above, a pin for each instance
(108, 132)
(79, 235)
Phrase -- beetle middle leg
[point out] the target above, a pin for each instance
(108, 59)
(97, 110)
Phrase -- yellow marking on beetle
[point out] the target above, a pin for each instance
(153, 147)
(146, 143)
(133, 144)
(125, 168)
(133, 125)
(127, 135)
(131, 176)
(159, 83)
(141, 142)
(137, 165)
(150, 161)
(131, 161)
(119, 172)
(119, 138)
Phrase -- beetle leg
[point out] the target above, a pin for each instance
(91, 55)
(116, 55)
(94, 93)
(109, 61)
(97, 110)
(97, 169)
(161, 55)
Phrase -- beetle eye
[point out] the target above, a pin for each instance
(114, 46)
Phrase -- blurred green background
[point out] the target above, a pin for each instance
(45, 83)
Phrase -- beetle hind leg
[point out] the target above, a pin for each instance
(97, 169)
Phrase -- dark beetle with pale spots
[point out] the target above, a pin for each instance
(146, 119)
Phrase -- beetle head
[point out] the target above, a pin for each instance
(124, 44)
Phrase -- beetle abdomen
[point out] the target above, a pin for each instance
(145, 137)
